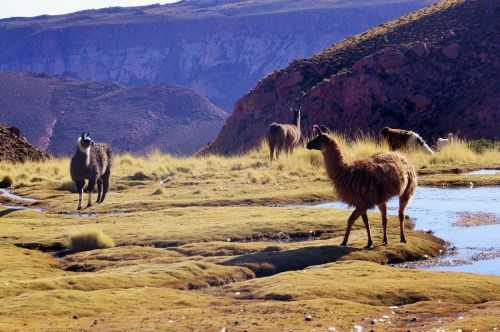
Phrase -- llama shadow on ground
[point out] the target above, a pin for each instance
(267, 263)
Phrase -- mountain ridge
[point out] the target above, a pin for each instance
(219, 49)
(396, 74)
(52, 111)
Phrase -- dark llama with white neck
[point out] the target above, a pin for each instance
(92, 162)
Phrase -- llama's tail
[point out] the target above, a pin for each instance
(420, 141)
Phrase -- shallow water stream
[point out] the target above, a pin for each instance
(437, 209)
(18, 199)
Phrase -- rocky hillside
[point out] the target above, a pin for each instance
(53, 111)
(434, 71)
(15, 148)
(220, 48)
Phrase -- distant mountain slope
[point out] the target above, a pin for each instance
(53, 111)
(218, 48)
(16, 149)
(434, 71)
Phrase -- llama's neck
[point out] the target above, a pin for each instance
(334, 161)
(86, 154)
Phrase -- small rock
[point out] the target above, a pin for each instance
(75, 317)
(308, 318)
(332, 329)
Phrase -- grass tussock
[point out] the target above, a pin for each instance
(90, 240)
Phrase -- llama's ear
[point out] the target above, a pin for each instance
(323, 129)
(83, 135)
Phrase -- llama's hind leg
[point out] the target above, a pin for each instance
(105, 187)
(90, 188)
(355, 215)
(99, 190)
(367, 226)
(271, 152)
(383, 211)
(403, 202)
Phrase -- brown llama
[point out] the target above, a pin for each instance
(284, 136)
(367, 183)
(400, 139)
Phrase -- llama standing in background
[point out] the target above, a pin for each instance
(92, 162)
(442, 142)
(284, 136)
(367, 183)
(400, 139)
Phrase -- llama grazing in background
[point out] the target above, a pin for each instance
(442, 142)
(401, 139)
(367, 183)
(92, 162)
(284, 136)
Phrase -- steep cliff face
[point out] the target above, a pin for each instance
(218, 48)
(433, 71)
(53, 111)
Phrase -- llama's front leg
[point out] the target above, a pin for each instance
(79, 188)
(355, 215)
(99, 190)
(383, 211)
(90, 188)
(367, 226)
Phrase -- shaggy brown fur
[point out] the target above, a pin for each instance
(91, 161)
(367, 183)
(400, 139)
(284, 136)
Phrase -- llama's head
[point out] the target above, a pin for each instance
(385, 131)
(84, 141)
(320, 140)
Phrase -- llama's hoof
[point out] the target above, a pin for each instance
(369, 245)
(403, 240)
(88, 206)
(78, 208)
(385, 243)
(343, 244)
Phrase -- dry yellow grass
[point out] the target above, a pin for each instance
(200, 247)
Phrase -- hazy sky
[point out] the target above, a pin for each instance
(10, 8)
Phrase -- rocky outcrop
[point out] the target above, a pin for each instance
(218, 48)
(434, 71)
(53, 111)
(14, 148)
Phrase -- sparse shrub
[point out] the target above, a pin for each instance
(158, 191)
(90, 240)
(183, 170)
(139, 176)
(481, 145)
(126, 161)
(67, 186)
(265, 179)
(237, 167)
(6, 182)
